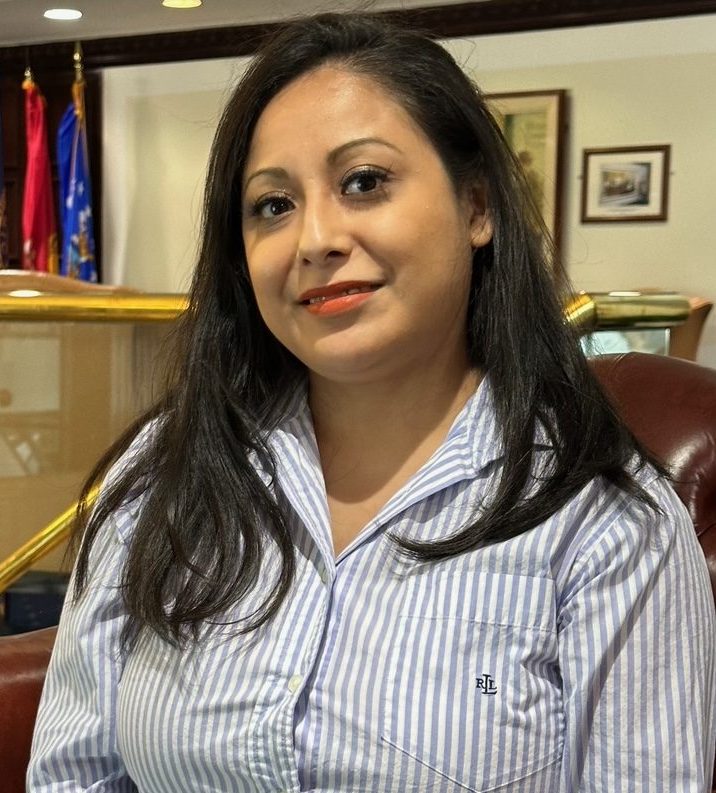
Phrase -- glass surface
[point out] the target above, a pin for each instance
(604, 342)
(67, 391)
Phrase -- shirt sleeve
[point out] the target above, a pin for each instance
(637, 645)
(75, 742)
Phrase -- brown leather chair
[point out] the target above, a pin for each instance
(670, 404)
(23, 661)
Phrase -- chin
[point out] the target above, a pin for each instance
(344, 372)
(353, 367)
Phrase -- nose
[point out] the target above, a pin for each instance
(324, 238)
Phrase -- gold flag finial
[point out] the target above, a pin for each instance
(79, 77)
(28, 69)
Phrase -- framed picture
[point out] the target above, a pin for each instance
(630, 183)
(533, 122)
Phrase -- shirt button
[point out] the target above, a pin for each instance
(323, 573)
(294, 683)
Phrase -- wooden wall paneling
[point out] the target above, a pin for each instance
(461, 19)
(13, 160)
(14, 242)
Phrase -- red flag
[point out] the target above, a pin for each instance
(39, 230)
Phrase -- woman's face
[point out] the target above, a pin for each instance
(359, 250)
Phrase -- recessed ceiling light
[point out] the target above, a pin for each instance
(62, 13)
(181, 3)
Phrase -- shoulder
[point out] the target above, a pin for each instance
(660, 524)
(606, 529)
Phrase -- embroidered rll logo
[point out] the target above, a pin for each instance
(486, 684)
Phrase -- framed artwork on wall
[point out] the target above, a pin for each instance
(534, 123)
(629, 183)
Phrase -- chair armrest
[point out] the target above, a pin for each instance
(23, 663)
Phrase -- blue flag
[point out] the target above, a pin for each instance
(77, 259)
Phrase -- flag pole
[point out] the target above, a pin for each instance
(79, 84)
(78, 260)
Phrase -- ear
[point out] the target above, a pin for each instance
(479, 216)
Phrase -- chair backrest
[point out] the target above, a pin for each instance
(670, 406)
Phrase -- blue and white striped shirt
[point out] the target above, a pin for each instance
(578, 657)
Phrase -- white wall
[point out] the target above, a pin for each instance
(630, 84)
(159, 122)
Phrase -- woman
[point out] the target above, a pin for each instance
(384, 533)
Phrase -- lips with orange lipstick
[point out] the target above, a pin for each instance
(337, 298)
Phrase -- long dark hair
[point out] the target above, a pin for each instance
(206, 514)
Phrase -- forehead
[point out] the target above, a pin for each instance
(324, 109)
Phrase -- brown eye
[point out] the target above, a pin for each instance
(272, 206)
(365, 180)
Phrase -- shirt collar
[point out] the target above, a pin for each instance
(473, 438)
(474, 434)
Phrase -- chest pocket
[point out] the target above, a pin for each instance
(473, 692)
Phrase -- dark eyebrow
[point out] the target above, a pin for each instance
(352, 144)
(277, 173)
(335, 154)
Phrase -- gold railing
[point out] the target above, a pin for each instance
(589, 312)
(30, 306)
(38, 546)
(627, 310)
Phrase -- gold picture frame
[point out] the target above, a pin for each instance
(534, 125)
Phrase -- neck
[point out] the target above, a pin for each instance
(391, 417)
(373, 437)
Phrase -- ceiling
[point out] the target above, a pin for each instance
(21, 21)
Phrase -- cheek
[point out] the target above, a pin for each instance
(269, 273)
(272, 291)
(267, 293)
(268, 298)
